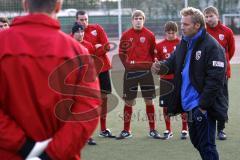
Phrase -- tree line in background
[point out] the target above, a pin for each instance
(153, 8)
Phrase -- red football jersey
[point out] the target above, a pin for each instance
(136, 48)
(163, 51)
(95, 34)
(225, 37)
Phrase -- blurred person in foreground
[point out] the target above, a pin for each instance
(47, 111)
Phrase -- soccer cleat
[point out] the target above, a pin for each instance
(221, 135)
(154, 134)
(91, 141)
(124, 134)
(106, 133)
(184, 134)
(167, 134)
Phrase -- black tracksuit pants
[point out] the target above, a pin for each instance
(202, 130)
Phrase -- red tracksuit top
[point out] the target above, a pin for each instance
(93, 51)
(95, 34)
(225, 37)
(30, 51)
(136, 49)
(89, 46)
(164, 49)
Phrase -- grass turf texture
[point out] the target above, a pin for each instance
(141, 147)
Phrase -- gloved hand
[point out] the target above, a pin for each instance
(38, 149)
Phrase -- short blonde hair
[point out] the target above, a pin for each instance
(138, 13)
(211, 9)
(196, 14)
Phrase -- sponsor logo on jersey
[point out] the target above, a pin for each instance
(218, 64)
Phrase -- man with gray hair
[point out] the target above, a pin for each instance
(198, 64)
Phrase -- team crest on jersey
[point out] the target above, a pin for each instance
(199, 118)
(142, 39)
(164, 49)
(221, 37)
(94, 32)
(131, 39)
(198, 55)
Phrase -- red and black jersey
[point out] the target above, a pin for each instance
(225, 37)
(33, 83)
(95, 34)
(163, 51)
(136, 49)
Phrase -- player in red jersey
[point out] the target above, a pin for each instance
(137, 59)
(163, 51)
(96, 35)
(45, 108)
(225, 37)
(78, 35)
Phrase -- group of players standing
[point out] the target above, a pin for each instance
(137, 51)
(196, 63)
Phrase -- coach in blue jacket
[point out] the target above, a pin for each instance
(199, 65)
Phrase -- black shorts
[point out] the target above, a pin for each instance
(166, 87)
(105, 82)
(135, 78)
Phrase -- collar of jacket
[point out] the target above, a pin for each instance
(138, 31)
(214, 28)
(36, 18)
(184, 46)
(191, 40)
(199, 38)
(173, 41)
